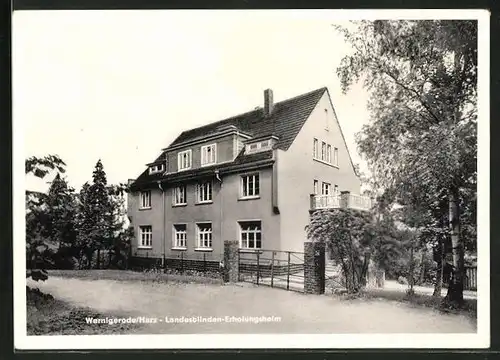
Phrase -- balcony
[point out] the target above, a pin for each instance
(343, 200)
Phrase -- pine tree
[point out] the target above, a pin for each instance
(61, 212)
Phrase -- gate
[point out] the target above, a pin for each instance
(279, 269)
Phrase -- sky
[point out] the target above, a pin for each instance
(121, 85)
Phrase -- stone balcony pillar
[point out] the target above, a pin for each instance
(344, 199)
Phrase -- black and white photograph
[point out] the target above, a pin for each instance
(251, 179)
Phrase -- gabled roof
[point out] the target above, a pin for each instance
(286, 120)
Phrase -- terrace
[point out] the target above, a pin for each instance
(344, 199)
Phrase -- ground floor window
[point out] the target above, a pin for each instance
(250, 234)
(180, 235)
(145, 236)
(204, 231)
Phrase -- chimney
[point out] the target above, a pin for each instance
(268, 102)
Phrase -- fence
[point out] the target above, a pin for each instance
(200, 262)
(282, 269)
(470, 280)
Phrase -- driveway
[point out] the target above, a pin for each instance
(298, 313)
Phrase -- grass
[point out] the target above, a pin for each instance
(48, 316)
(417, 300)
(128, 275)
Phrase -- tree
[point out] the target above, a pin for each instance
(354, 239)
(39, 245)
(100, 220)
(61, 213)
(422, 79)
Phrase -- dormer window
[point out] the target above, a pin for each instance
(258, 146)
(208, 154)
(184, 160)
(156, 168)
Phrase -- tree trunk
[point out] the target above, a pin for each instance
(456, 285)
(422, 268)
(411, 279)
(98, 261)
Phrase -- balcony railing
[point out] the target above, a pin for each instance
(342, 200)
(326, 202)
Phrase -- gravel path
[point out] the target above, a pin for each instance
(299, 313)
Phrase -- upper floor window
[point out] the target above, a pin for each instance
(325, 153)
(156, 168)
(184, 160)
(204, 192)
(145, 236)
(180, 236)
(258, 146)
(180, 195)
(325, 188)
(335, 156)
(250, 234)
(208, 154)
(204, 231)
(250, 185)
(146, 199)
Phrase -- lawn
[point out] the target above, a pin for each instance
(134, 295)
(49, 316)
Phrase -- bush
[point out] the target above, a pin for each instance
(402, 280)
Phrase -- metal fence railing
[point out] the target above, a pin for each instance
(282, 269)
(470, 280)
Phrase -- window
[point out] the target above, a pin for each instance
(327, 126)
(323, 151)
(145, 199)
(145, 236)
(184, 160)
(204, 192)
(208, 154)
(325, 188)
(156, 169)
(315, 187)
(258, 146)
(250, 234)
(315, 148)
(335, 189)
(180, 195)
(204, 235)
(329, 154)
(335, 156)
(250, 186)
(180, 236)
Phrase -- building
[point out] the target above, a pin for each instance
(253, 178)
